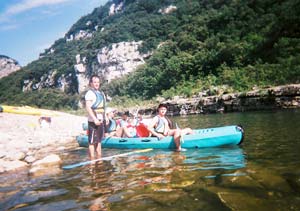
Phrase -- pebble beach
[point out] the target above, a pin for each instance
(27, 143)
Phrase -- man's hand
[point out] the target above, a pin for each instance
(160, 136)
(97, 122)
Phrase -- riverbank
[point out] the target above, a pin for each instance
(269, 98)
(29, 142)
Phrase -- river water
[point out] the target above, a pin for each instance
(263, 173)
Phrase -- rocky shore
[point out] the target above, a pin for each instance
(26, 142)
(270, 98)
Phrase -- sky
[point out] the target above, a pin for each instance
(28, 27)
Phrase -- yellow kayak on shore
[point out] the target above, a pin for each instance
(28, 110)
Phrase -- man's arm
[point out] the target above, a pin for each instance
(152, 130)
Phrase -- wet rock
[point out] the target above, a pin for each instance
(41, 167)
(52, 159)
(245, 201)
(45, 194)
(245, 192)
(6, 165)
(30, 159)
(15, 155)
(269, 179)
(294, 180)
(38, 171)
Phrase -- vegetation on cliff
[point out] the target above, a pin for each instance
(203, 44)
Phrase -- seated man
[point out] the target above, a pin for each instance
(161, 127)
(113, 129)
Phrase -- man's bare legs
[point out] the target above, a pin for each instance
(95, 151)
(98, 150)
(176, 133)
(186, 131)
(91, 151)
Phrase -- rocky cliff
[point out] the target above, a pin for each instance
(279, 97)
(111, 62)
(178, 48)
(8, 66)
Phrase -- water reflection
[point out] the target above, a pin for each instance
(108, 184)
(229, 158)
(98, 189)
(159, 171)
(155, 166)
(263, 171)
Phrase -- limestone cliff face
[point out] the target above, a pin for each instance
(111, 62)
(119, 60)
(114, 62)
(116, 8)
(49, 80)
(8, 66)
(81, 73)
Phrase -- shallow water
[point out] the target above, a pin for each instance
(263, 173)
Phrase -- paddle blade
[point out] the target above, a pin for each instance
(142, 130)
(142, 150)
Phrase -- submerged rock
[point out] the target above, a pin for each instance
(52, 159)
(6, 165)
(43, 166)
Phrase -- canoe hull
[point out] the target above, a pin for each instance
(202, 138)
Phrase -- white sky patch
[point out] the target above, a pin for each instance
(26, 5)
(28, 27)
(6, 27)
(30, 4)
(49, 12)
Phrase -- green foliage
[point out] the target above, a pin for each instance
(46, 98)
(238, 44)
(202, 45)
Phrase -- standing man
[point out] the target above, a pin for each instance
(95, 107)
(161, 126)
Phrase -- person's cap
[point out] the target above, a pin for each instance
(109, 109)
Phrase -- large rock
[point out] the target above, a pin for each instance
(49, 80)
(8, 66)
(115, 8)
(119, 60)
(41, 167)
(52, 159)
(6, 165)
(168, 9)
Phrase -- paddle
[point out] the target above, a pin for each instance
(136, 116)
(103, 158)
